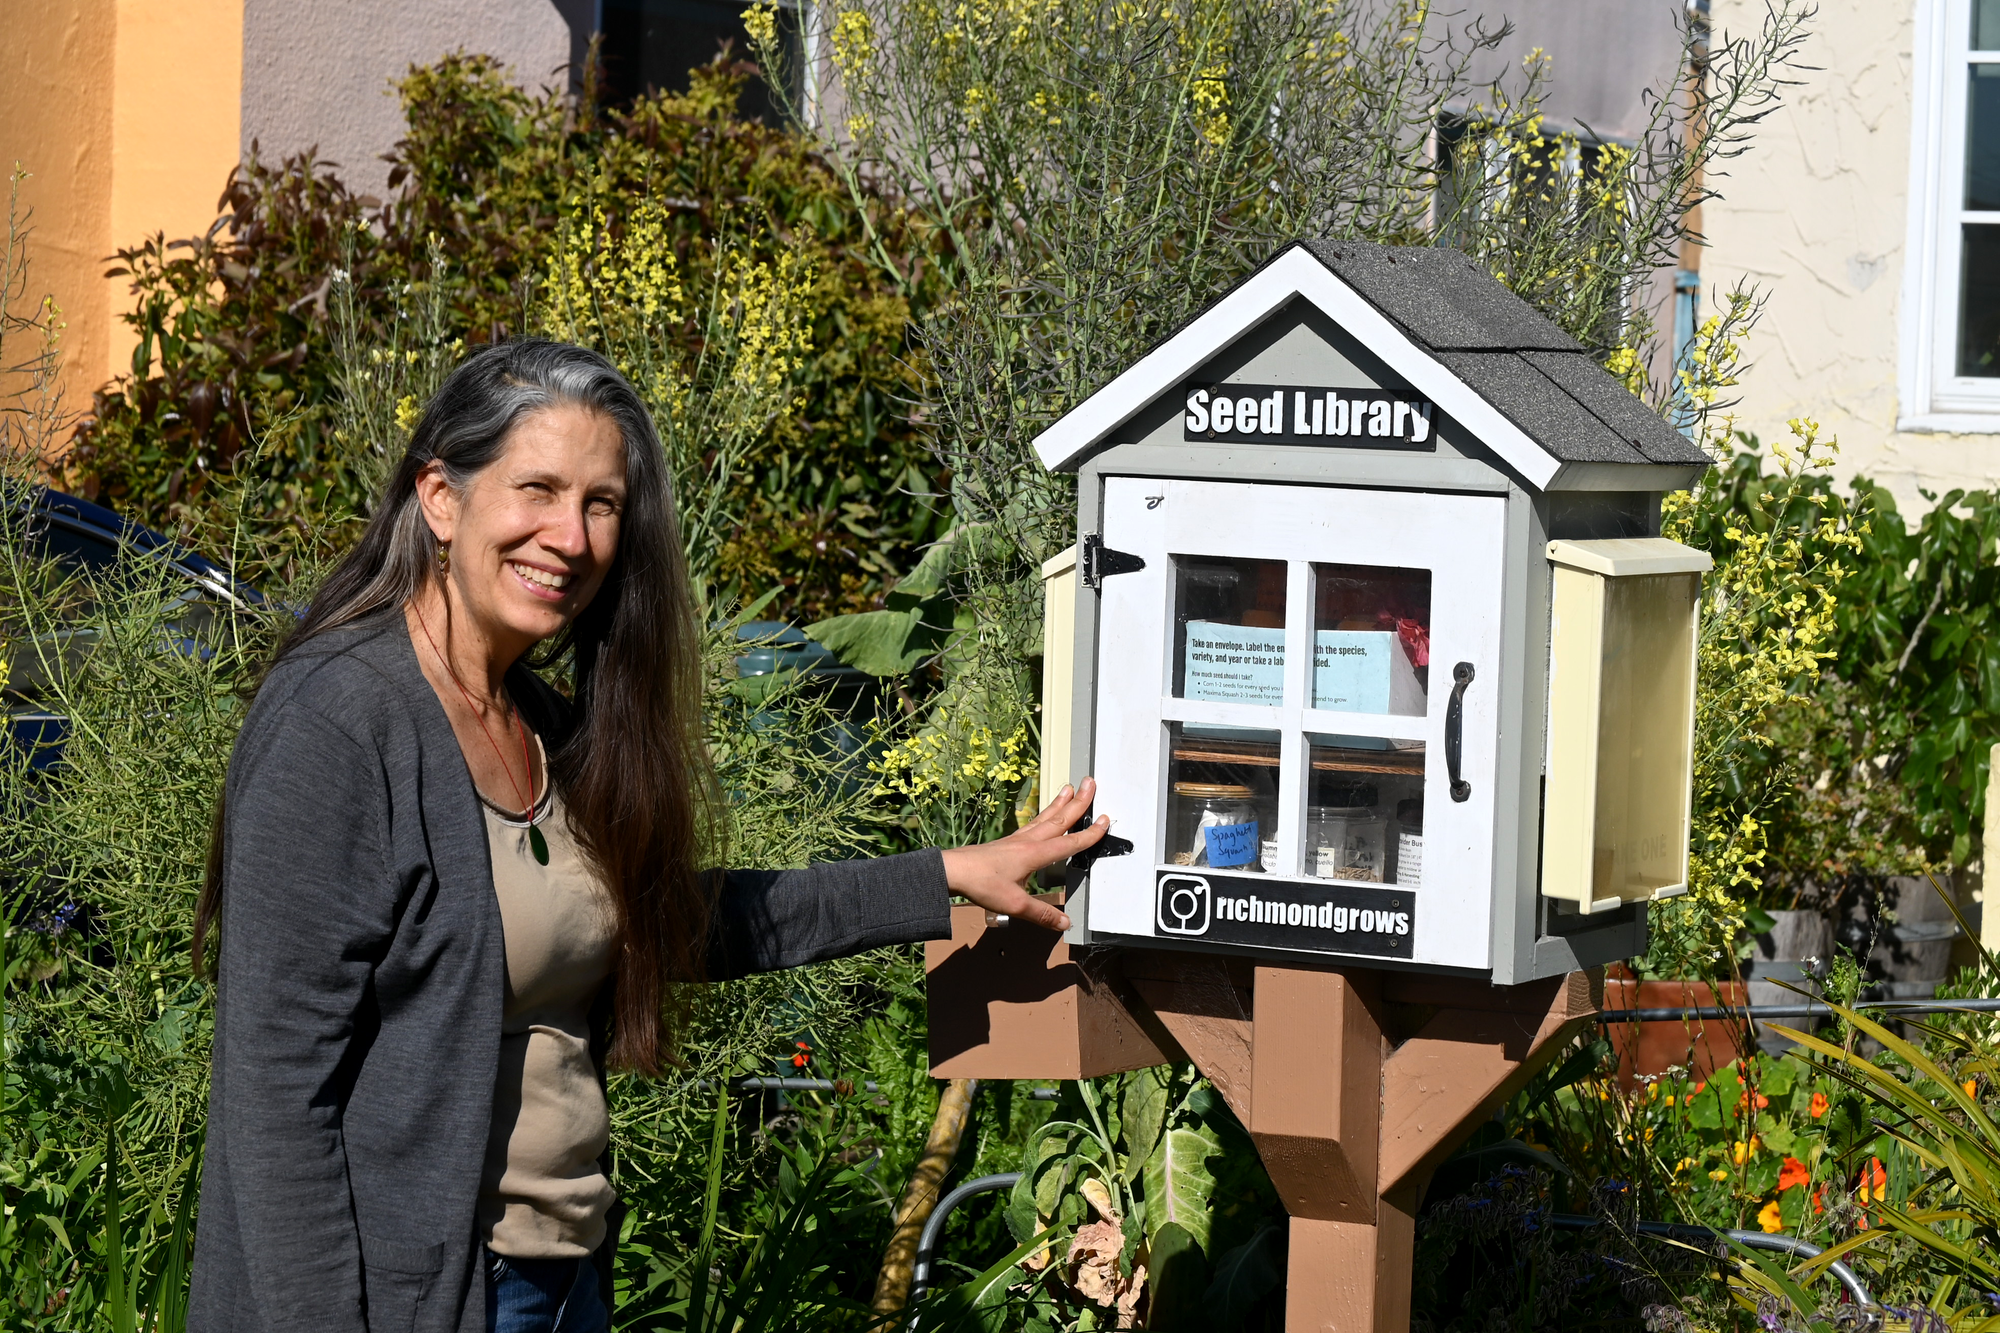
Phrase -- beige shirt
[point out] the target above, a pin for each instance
(542, 1194)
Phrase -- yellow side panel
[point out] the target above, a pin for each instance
(1576, 636)
(1058, 670)
(1621, 733)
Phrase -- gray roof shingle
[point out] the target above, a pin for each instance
(1539, 407)
(1507, 352)
(1594, 387)
(1441, 297)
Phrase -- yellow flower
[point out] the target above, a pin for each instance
(1720, 1173)
(853, 42)
(1743, 1152)
(761, 22)
(1769, 1218)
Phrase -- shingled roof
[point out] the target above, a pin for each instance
(1486, 357)
(1507, 352)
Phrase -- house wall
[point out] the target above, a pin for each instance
(1603, 56)
(319, 75)
(124, 111)
(1815, 215)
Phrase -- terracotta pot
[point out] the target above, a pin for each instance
(1703, 1045)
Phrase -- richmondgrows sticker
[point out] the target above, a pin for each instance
(1318, 916)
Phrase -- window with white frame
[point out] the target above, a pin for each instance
(1951, 317)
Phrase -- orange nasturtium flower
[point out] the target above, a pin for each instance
(1971, 1087)
(804, 1055)
(1769, 1218)
(1794, 1172)
(1874, 1182)
(1819, 1105)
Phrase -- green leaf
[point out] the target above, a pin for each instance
(1144, 1116)
(1777, 1137)
(882, 643)
(1180, 1184)
(1707, 1111)
(981, 1303)
(1177, 1276)
(1021, 1215)
(1243, 1276)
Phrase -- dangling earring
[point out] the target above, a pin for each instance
(444, 557)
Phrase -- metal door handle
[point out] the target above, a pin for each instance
(1454, 730)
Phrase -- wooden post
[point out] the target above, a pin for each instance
(892, 1284)
(1354, 1083)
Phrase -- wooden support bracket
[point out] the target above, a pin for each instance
(1354, 1083)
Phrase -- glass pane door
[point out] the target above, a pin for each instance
(1273, 693)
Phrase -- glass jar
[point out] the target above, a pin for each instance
(1347, 836)
(1213, 824)
(1409, 844)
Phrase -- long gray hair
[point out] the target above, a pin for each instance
(633, 772)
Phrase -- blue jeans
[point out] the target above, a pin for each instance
(543, 1296)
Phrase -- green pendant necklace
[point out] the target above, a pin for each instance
(536, 842)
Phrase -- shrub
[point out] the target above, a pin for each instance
(234, 338)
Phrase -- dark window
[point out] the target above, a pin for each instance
(650, 45)
(1979, 301)
(1982, 139)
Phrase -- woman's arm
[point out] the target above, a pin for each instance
(307, 911)
(772, 919)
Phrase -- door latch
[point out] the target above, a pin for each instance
(1108, 845)
(1100, 562)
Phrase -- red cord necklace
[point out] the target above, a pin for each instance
(536, 842)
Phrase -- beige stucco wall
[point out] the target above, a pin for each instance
(320, 75)
(125, 111)
(1816, 215)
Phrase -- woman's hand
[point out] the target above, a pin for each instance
(996, 874)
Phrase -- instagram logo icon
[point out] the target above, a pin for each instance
(1183, 905)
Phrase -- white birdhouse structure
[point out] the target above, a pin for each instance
(1370, 637)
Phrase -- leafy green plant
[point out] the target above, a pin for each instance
(1769, 627)
(1888, 767)
(1141, 1198)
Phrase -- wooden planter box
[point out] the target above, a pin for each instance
(1646, 1048)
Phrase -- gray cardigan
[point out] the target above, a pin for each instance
(358, 1010)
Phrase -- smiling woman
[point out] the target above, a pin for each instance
(448, 898)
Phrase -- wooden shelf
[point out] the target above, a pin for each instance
(1326, 759)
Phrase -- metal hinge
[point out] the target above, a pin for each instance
(1100, 562)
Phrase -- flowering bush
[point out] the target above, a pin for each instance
(1769, 626)
(959, 779)
(1764, 1143)
(237, 337)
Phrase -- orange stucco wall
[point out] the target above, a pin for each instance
(126, 113)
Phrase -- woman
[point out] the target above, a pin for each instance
(446, 899)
